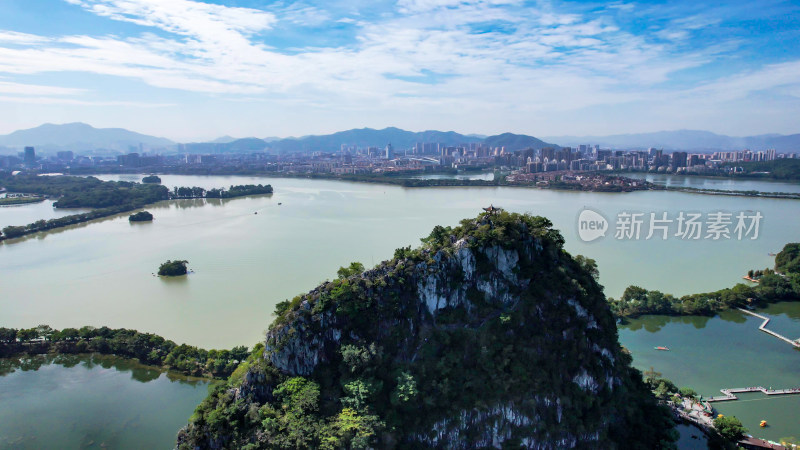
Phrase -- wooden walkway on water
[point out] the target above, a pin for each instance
(730, 393)
(763, 328)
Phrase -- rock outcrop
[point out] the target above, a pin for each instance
(490, 335)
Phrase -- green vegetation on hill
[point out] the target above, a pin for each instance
(146, 347)
(141, 216)
(489, 333)
(771, 288)
(788, 260)
(173, 268)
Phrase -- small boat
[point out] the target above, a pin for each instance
(255, 212)
(771, 254)
(279, 203)
(666, 349)
(763, 424)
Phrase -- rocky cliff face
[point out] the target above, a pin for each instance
(489, 335)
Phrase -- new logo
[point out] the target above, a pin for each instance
(591, 225)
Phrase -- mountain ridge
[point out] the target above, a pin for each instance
(81, 137)
(78, 136)
(690, 140)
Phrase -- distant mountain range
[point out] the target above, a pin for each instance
(365, 137)
(80, 137)
(693, 140)
(368, 137)
(83, 138)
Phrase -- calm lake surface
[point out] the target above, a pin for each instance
(244, 263)
(726, 184)
(92, 401)
(727, 351)
(25, 214)
(102, 273)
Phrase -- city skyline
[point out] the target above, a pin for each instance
(193, 71)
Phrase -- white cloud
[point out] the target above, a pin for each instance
(785, 76)
(7, 87)
(186, 17)
(75, 102)
(13, 37)
(541, 60)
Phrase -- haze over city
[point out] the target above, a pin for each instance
(192, 71)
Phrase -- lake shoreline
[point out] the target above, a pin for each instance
(412, 182)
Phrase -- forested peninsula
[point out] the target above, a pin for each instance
(778, 285)
(148, 348)
(107, 198)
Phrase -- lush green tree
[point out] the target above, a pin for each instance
(8, 335)
(152, 179)
(173, 268)
(354, 268)
(406, 389)
(27, 335)
(730, 428)
(357, 430)
(589, 265)
(688, 392)
(11, 232)
(298, 394)
(141, 216)
(787, 261)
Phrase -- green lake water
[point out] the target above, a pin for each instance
(250, 253)
(92, 401)
(727, 351)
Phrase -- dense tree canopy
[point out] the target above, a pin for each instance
(152, 179)
(730, 428)
(788, 260)
(173, 268)
(141, 216)
(772, 287)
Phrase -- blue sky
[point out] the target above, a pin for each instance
(194, 70)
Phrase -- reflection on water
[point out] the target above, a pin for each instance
(139, 372)
(654, 324)
(92, 401)
(726, 351)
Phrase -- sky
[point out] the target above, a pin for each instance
(193, 70)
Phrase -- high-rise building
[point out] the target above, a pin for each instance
(65, 156)
(30, 156)
(678, 160)
(389, 152)
(603, 155)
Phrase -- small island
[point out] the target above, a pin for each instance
(141, 216)
(173, 268)
(154, 179)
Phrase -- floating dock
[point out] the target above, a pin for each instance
(763, 328)
(730, 394)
